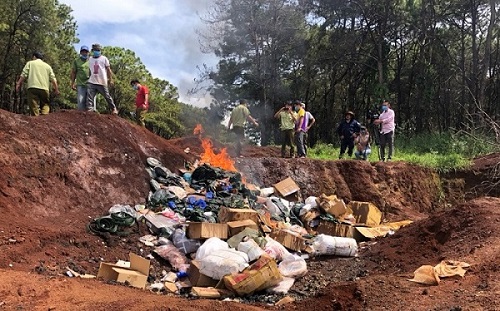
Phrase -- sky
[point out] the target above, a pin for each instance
(162, 33)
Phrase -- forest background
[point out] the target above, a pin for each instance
(438, 62)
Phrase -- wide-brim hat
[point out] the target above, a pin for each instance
(349, 112)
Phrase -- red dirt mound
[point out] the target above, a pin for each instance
(61, 170)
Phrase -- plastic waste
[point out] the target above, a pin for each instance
(275, 249)
(217, 259)
(265, 192)
(311, 201)
(329, 245)
(251, 248)
(169, 252)
(185, 245)
(282, 287)
(187, 177)
(118, 208)
(293, 266)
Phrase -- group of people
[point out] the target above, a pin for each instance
(90, 74)
(353, 134)
(295, 122)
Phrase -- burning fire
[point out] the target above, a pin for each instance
(221, 160)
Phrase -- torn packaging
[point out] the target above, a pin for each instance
(134, 273)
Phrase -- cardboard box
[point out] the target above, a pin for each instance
(359, 233)
(286, 187)
(260, 275)
(290, 240)
(227, 214)
(340, 229)
(197, 278)
(213, 293)
(205, 230)
(365, 213)
(236, 227)
(332, 205)
(135, 273)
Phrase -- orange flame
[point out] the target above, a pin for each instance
(198, 129)
(221, 160)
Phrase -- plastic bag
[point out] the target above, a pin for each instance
(332, 245)
(293, 266)
(251, 248)
(311, 201)
(210, 246)
(184, 244)
(118, 208)
(282, 287)
(275, 249)
(223, 262)
(169, 252)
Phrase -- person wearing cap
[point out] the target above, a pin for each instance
(100, 76)
(362, 143)
(39, 76)
(79, 77)
(141, 101)
(287, 124)
(239, 116)
(300, 128)
(347, 131)
(387, 127)
(309, 121)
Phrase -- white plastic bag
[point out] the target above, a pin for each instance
(210, 246)
(311, 201)
(275, 249)
(293, 266)
(282, 287)
(332, 245)
(222, 262)
(185, 245)
(251, 248)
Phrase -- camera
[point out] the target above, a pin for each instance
(372, 115)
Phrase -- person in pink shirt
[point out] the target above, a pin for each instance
(387, 127)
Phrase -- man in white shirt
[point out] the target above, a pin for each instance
(100, 74)
(387, 127)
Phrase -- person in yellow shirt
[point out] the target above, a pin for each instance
(237, 120)
(300, 128)
(38, 75)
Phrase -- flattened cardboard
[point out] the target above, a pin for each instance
(205, 230)
(290, 240)
(136, 274)
(197, 278)
(286, 187)
(213, 293)
(365, 213)
(359, 233)
(227, 214)
(236, 227)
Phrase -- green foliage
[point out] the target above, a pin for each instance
(443, 152)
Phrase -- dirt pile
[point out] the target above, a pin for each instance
(61, 170)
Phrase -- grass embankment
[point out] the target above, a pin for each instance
(443, 152)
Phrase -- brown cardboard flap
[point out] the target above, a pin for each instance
(289, 240)
(365, 213)
(197, 278)
(227, 214)
(286, 187)
(205, 230)
(136, 275)
(236, 227)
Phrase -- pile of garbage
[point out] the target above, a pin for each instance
(223, 237)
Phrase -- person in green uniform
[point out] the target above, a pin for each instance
(287, 124)
(39, 75)
(80, 74)
(237, 120)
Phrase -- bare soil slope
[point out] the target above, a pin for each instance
(60, 171)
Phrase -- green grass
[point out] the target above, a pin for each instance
(443, 152)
